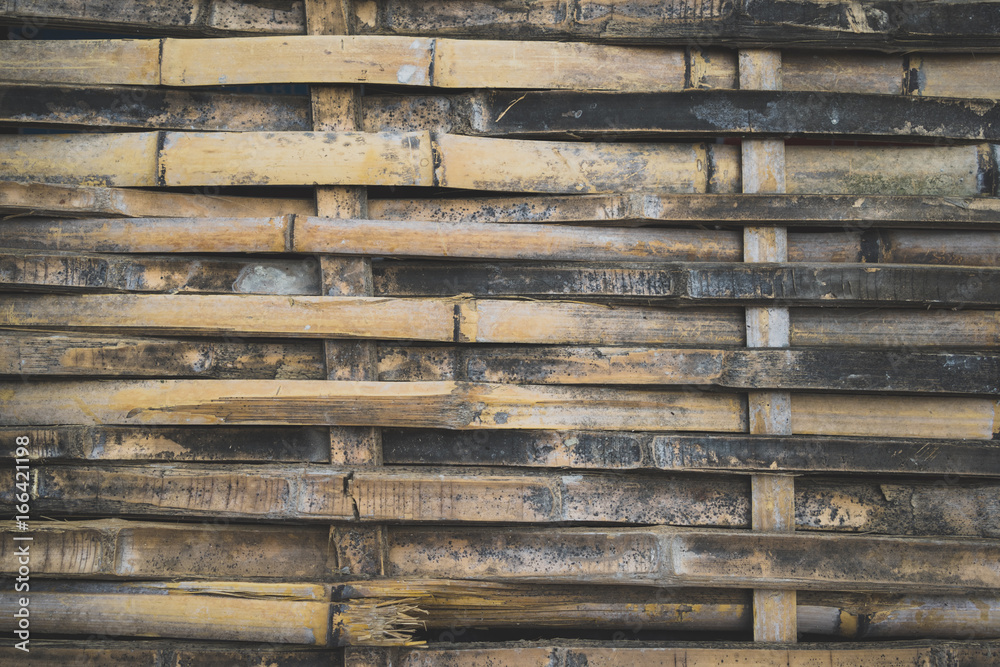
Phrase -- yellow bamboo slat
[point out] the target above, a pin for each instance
(296, 158)
(115, 62)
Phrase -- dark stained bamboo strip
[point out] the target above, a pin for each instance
(650, 654)
(679, 452)
(760, 283)
(690, 113)
(41, 270)
(767, 24)
(871, 211)
(30, 104)
(321, 493)
(698, 557)
(149, 550)
(215, 547)
(977, 653)
(324, 493)
(834, 25)
(212, 17)
(848, 370)
(28, 354)
(295, 444)
(141, 159)
(543, 449)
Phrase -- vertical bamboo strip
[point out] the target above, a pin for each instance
(773, 496)
(338, 108)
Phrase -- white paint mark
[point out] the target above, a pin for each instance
(405, 73)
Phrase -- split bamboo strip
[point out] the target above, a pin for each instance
(457, 604)
(227, 611)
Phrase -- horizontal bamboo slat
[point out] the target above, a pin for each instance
(820, 559)
(350, 158)
(831, 25)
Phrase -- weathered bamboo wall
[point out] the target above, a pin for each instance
(618, 320)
